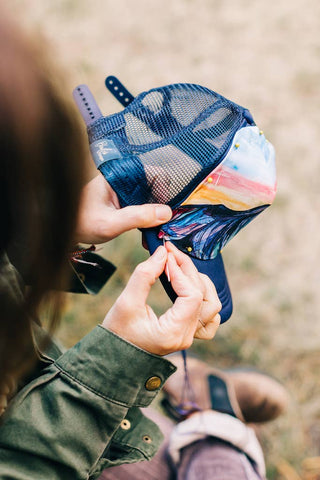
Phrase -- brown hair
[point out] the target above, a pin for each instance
(42, 164)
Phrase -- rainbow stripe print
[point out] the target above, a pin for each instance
(237, 190)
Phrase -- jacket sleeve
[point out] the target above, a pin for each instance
(62, 424)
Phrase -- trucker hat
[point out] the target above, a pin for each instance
(186, 146)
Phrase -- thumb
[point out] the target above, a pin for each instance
(138, 216)
(143, 277)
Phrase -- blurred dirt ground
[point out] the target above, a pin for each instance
(265, 56)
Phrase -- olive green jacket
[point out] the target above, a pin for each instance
(81, 413)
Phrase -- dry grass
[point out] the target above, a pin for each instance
(264, 55)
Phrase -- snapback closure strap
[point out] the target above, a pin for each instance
(118, 90)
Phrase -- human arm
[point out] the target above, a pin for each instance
(60, 425)
(67, 421)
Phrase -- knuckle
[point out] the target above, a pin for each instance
(197, 296)
(187, 343)
(208, 336)
(172, 345)
(211, 335)
(207, 282)
(204, 277)
(217, 319)
(192, 267)
(142, 270)
(213, 306)
(175, 347)
(180, 344)
(200, 335)
(213, 313)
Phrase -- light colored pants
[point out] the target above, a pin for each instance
(187, 454)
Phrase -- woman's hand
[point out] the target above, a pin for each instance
(101, 219)
(193, 314)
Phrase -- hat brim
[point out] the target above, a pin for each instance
(213, 268)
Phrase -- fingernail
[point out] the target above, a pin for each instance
(163, 213)
(160, 253)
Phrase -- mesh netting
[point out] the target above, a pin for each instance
(170, 138)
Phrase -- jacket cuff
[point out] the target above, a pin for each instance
(116, 370)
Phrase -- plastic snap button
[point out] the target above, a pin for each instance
(153, 383)
(125, 424)
(147, 439)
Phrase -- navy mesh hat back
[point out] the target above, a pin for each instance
(187, 123)
(190, 148)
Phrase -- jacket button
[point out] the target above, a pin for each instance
(153, 383)
(125, 424)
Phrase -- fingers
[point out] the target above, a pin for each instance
(143, 277)
(186, 264)
(208, 318)
(132, 319)
(208, 331)
(184, 278)
(182, 318)
(182, 259)
(211, 303)
(211, 306)
(137, 216)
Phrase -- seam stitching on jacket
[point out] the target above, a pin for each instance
(93, 390)
(133, 449)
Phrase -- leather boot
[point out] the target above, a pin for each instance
(247, 394)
